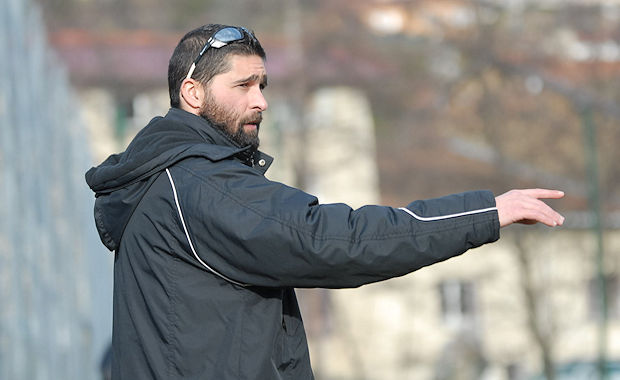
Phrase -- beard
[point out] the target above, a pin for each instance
(231, 123)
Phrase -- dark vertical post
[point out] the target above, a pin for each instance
(591, 157)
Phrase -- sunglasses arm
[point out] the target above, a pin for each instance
(191, 71)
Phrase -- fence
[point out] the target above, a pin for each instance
(55, 279)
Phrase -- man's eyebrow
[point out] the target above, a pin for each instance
(253, 78)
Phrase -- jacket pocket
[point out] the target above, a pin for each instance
(292, 344)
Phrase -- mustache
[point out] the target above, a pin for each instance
(256, 118)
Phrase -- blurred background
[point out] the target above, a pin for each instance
(371, 101)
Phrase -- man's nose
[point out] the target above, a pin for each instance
(259, 102)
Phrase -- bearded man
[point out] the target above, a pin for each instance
(208, 251)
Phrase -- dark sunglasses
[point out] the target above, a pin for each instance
(220, 39)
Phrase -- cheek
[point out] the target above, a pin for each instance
(233, 103)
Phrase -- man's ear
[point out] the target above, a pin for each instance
(192, 95)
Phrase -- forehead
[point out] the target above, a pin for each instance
(245, 65)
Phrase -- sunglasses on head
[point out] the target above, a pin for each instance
(220, 39)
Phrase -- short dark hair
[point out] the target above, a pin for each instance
(214, 61)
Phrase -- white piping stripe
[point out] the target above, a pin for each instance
(442, 217)
(176, 200)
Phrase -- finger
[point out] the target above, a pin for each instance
(544, 193)
(553, 215)
(551, 220)
(540, 211)
(544, 219)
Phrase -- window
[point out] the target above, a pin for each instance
(612, 286)
(457, 302)
(515, 371)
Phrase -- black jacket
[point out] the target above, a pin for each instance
(208, 252)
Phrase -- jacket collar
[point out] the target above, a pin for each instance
(210, 134)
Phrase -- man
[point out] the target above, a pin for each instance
(208, 251)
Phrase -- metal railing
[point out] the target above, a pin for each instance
(55, 284)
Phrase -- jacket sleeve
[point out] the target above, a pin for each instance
(253, 231)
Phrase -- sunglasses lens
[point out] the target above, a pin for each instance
(221, 38)
(228, 35)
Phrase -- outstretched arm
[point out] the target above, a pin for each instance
(525, 206)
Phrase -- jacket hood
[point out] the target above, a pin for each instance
(122, 179)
